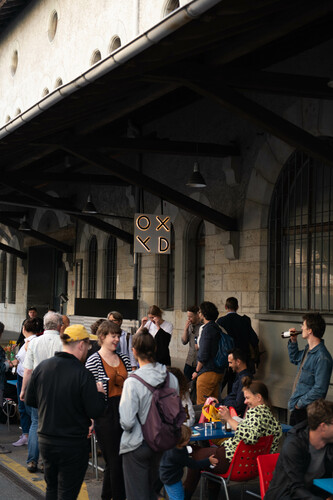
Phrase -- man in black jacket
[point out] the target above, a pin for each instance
(66, 396)
(307, 454)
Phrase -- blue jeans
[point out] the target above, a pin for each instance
(24, 415)
(33, 449)
(175, 491)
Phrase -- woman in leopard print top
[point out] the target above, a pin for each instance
(258, 421)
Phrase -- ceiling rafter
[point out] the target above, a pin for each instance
(266, 119)
(151, 185)
(13, 251)
(64, 206)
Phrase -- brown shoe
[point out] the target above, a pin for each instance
(32, 466)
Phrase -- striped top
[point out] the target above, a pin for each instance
(95, 366)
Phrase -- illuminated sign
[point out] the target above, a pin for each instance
(152, 233)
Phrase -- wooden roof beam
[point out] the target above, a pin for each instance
(265, 119)
(154, 187)
(66, 206)
(13, 251)
(37, 235)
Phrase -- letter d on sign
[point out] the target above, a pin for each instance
(163, 245)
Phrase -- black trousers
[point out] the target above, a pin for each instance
(297, 416)
(108, 433)
(64, 468)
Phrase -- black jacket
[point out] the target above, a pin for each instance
(293, 462)
(209, 344)
(65, 393)
(173, 462)
(240, 329)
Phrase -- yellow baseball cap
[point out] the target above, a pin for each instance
(78, 332)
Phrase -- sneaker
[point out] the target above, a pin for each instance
(4, 450)
(32, 466)
(22, 441)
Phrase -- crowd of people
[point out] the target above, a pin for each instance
(71, 383)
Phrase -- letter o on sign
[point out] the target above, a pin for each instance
(143, 222)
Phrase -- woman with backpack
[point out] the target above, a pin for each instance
(140, 461)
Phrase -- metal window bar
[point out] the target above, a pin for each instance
(92, 268)
(111, 269)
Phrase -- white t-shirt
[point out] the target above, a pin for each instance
(153, 329)
(21, 355)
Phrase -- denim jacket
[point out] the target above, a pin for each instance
(315, 376)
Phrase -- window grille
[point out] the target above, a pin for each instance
(111, 269)
(12, 280)
(3, 277)
(92, 268)
(200, 264)
(300, 237)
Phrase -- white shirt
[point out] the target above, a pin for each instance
(20, 356)
(41, 348)
(153, 329)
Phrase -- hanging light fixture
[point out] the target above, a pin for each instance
(24, 226)
(196, 180)
(90, 207)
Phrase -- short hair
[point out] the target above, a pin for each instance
(238, 354)
(52, 320)
(155, 311)
(185, 434)
(117, 315)
(231, 303)
(94, 326)
(193, 309)
(209, 311)
(31, 325)
(316, 323)
(256, 387)
(182, 380)
(105, 328)
(2, 327)
(319, 411)
(145, 345)
(33, 308)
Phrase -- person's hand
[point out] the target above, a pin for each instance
(100, 387)
(91, 428)
(187, 324)
(224, 413)
(194, 375)
(14, 362)
(144, 321)
(157, 320)
(22, 394)
(293, 338)
(214, 461)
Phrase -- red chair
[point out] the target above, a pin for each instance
(243, 466)
(266, 467)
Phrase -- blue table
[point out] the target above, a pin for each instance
(324, 484)
(198, 432)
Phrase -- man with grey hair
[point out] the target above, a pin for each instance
(125, 342)
(39, 349)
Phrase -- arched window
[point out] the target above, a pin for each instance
(92, 268)
(111, 268)
(12, 280)
(3, 276)
(301, 237)
(171, 272)
(200, 264)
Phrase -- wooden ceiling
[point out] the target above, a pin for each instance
(217, 56)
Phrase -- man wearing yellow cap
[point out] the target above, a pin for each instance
(67, 397)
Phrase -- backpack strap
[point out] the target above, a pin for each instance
(150, 387)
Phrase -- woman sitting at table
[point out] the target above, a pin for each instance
(258, 422)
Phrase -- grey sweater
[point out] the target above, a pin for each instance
(135, 401)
